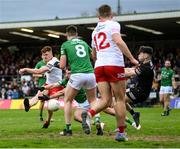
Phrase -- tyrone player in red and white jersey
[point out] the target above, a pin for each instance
(107, 49)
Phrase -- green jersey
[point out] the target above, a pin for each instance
(78, 56)
(41, 80)
(80, 97)
(166, 76)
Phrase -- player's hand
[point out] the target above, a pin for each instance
(56, 64)
(134, 61)
(43, 97)
(22, 71)
(41, 88)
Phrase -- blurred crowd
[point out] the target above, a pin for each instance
(12, 86)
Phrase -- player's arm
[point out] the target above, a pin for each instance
(63, 61)
(50, 86)
(174, 82)
(116, 37)
(63, 58)
(130, 72)
(34, 71)
(93, 50)
(58, 94)
(93, 54)
(37, 75)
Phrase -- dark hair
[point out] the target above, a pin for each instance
(146, 49)
(71, 30)
(104, 11)
(45, 49)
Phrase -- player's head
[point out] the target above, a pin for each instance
(46, 53)
(104, 12)
(71, 31)
(145, 53)
(167, 63)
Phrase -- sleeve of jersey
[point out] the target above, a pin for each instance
(63, 50)
(115, 28)
(139, 70)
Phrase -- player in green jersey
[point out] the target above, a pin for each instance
(80, 98)
(76, 53)
(41, 81)
(167, 82)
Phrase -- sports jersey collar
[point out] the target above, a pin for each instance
(104, 20)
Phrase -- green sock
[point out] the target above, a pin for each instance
(68, 126)
(129, 121)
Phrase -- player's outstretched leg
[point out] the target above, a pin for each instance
(26, 104)
(86, 122)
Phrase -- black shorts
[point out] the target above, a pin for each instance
(136, 95)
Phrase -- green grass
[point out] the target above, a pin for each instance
(23, 130)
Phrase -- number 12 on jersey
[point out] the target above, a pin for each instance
(100, 41)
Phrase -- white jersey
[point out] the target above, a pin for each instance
(54, 74)
(108, 53)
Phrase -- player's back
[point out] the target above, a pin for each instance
(145, 78)
(78, 55)
(107, 51)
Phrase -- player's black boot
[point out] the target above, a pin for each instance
(43, 97)
(99, 129)
(41, 118)
(66, 132)
(136, 116)
(164, 113)
(86, 122)
(46, 124)
(26, 104)
(168, 111)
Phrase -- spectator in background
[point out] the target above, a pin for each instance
(15, 94)
(9, 93)
(3, 94)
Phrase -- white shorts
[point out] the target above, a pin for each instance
(165, 90)
(82, 80)
(85, 105)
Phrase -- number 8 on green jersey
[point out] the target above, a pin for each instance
(78, 54)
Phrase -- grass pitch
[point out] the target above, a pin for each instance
(19, 129)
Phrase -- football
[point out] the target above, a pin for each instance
(53, 105)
